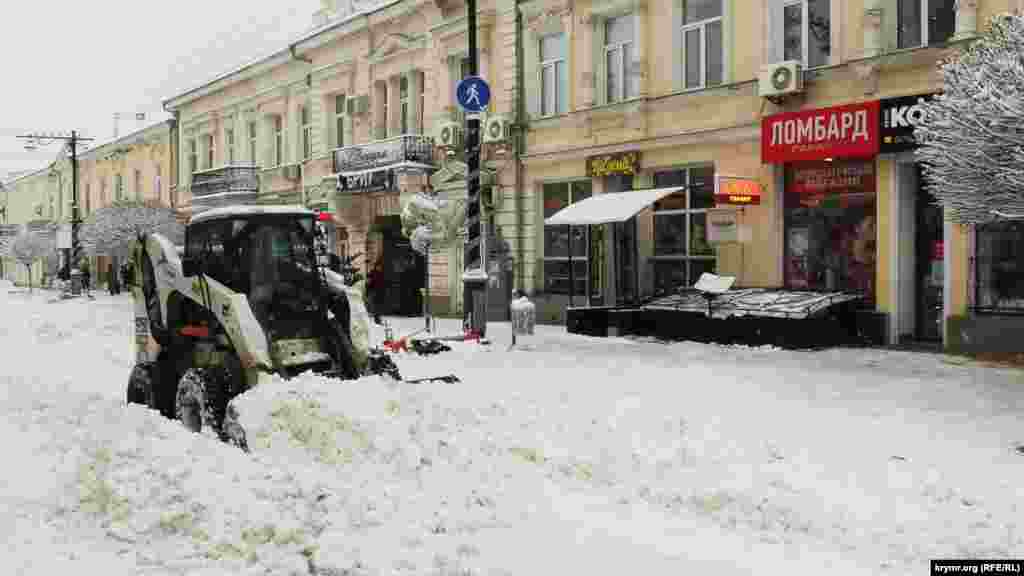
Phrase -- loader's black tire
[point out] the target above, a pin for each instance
(199, 402)
(140, 384)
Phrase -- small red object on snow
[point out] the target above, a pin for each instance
(396, 345)
(472, 335)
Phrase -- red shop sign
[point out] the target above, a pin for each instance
(838, 177)
(849, 131)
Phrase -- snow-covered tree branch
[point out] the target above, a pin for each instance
(972, 135)
(110, 229)
(430, 221)
(28, 247)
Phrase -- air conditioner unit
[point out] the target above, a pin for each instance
(449, 135)
(780, 79)
(496, 129)
(291, 171)
(358, 106)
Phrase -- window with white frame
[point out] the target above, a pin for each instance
(558, 195)
(211, 149)
(554, 79)
(103, 193)
(403, 104)
(278, 141)
(88, 198)
(622, 64)
(252, 142)
(924, 22)
(385, 128)
(681, 248)
(229, 143)
(340, 117)
(138, 184)
(702, 43)
(193, 156)
(118, 187)
(307, 132)
(807, 32)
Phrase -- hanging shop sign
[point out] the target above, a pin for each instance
(899, 117)
(625, 163)
(368, 181)
(737, 190)
(845, 179)
(849, 131)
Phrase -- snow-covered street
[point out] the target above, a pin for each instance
(568, 455)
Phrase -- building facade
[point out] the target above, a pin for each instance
(32, 199)
(811, 102)
(353, 118)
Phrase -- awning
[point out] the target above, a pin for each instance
(610, 207)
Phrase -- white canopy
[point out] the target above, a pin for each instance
(611, 207)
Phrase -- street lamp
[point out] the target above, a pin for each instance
(34, 141)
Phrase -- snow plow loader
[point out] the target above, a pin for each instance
(250, 295)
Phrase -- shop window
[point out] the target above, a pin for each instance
(681, 248)
(924, 22)
(558, 195)
(830, 230)
(702, 43)
(807, 32)
(999, 267)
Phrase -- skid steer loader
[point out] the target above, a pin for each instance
(250, 295)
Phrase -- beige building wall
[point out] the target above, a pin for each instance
(360, 55)
(671, 126)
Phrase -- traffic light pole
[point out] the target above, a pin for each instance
(474, 294)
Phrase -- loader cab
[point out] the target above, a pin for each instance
(269, 257)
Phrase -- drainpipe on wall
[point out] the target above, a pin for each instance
(519, 124)
(302, 161)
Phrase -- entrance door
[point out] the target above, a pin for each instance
(597, 283)
(929, 266)
(625, 255)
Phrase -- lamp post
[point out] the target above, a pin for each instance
(34, 141)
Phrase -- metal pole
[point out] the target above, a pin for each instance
(572, 275)
(474, 292)
(74, 209)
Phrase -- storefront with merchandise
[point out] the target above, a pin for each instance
(856, 216)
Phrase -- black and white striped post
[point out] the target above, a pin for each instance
(474, 294)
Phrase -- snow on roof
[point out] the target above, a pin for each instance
(229, 211)
(605, 208)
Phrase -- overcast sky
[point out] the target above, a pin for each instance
(72, 65)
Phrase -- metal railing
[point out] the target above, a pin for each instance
(230, 178)
(381, 153)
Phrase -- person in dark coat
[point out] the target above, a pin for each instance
(83, 267)
(112, 275)
(374, 289)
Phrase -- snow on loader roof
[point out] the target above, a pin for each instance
(242, 210)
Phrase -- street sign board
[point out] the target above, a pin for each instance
(473, 94)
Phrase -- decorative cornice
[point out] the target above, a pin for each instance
(396, 44)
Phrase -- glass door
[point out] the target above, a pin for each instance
(625, 254)
(597, 281)
(930, 266)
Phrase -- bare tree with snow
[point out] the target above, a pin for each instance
(28, 247)
(972, 135)
(112, 228)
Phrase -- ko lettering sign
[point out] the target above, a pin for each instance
(899, 117)
(849, 131)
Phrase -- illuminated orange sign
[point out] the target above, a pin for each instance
(733, 190)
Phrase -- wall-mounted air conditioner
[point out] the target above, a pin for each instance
(780, 79)
(449, 135)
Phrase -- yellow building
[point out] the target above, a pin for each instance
(811, 100)
(34, 199)
(352, 118)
